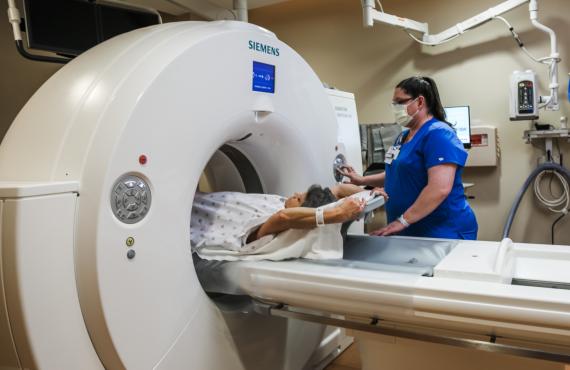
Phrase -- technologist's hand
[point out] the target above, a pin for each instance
(352, 208)
(392, 228)
(353, 176)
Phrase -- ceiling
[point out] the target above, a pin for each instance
(251, 4)
(174, 7)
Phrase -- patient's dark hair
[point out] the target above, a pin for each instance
(317, 196)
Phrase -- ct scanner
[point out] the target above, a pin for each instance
(98, 173)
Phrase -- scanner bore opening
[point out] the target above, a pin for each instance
(227, 170)
(230, 170)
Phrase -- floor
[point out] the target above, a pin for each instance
(348, 360)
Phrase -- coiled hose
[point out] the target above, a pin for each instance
(549, 166)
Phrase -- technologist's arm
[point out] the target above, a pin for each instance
(376, 180)
(304, 218)
(440, 183)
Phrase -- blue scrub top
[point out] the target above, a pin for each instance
(435, 143)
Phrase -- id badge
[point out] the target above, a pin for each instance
(392, 154)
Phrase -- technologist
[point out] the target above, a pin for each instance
(423, 169)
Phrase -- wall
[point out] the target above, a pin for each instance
(19, 77)
(473, 69)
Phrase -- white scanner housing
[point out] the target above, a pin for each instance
(174, 93)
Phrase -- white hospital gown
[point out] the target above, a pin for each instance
(216, 213)
(226, 219)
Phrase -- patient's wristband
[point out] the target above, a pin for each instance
(320, 216)
(403, 221)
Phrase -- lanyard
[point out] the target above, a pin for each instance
(394, 150)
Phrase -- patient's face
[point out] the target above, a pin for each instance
(295, 200)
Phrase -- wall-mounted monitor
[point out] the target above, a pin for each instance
(70, 27)
(460, 119)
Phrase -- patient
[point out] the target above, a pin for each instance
(232, 220)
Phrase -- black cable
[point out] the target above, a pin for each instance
(40, 58)
(554, 224)
(518, 198)
(516, 37)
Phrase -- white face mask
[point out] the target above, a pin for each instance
(401, 113)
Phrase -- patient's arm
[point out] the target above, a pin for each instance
(304, 218)
(346, 190)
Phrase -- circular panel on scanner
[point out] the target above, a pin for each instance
(168, 92)
(130, 199)
(339, 162)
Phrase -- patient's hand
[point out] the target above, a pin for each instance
(351, 208)
(380, 192)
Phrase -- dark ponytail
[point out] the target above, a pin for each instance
(426, 87)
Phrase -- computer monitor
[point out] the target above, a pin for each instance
(69, 27)
(460, 120)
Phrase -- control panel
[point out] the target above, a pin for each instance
(524, 97)
(130, 199)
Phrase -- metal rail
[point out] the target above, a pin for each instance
(541, 283)
(375, 327)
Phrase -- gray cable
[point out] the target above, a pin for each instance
(549, 166)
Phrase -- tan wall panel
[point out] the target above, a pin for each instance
(19, 77)
(473, 69)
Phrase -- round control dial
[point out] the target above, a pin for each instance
(339, 162)
(130, 199)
